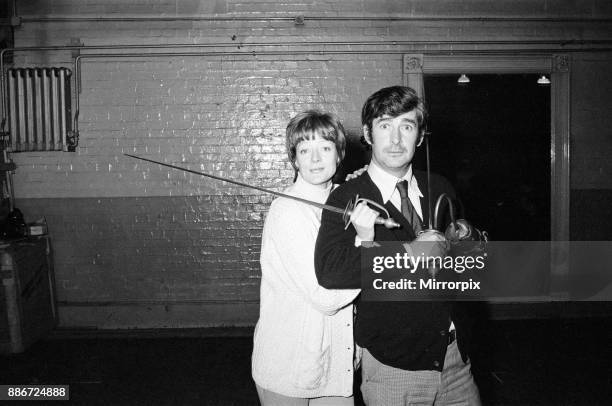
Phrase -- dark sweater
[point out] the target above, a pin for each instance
(407, 335)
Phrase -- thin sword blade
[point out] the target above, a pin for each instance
(272, 192)
(428, 184)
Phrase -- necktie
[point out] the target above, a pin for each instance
(408, 209)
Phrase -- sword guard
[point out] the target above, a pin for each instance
(346, 216)
(463, 237)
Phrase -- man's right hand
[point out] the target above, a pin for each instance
(362, 218)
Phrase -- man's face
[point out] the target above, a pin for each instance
(393, 141)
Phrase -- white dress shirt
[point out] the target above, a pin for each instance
(385, 182)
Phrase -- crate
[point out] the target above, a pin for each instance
(27, 299)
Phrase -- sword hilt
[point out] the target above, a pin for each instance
(451, 210)
(346, 216)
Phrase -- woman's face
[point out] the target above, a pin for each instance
(316, 160)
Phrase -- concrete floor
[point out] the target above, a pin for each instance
(529, 362)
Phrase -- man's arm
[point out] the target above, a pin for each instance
(337, 259)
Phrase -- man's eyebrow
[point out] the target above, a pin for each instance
(387, 118)
(382, 118)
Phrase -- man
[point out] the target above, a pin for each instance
(414, 352)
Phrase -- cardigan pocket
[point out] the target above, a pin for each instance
(312, 360)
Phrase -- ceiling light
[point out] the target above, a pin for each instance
(463, 79)
(543, 80)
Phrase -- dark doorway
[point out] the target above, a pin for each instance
(491, 139)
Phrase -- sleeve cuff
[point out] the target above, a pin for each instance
(366, 244)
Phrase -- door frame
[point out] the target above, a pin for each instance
(415, 66)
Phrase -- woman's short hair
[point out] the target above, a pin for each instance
(309, 124)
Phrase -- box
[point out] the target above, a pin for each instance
(37, 228)
(27, 297)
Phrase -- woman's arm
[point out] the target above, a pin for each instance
(287, 256)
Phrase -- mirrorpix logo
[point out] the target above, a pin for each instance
(407, 264)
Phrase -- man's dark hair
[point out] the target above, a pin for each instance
(393, 101)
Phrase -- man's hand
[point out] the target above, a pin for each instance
(465, 238)
(429, 243)
(362, 218)
(356, 174)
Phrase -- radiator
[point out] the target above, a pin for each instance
(39, 109)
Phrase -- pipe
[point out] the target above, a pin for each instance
(310, 52)
(78, 19)
(560, 45)
(310, 43)
(77, 61)
(321, 52)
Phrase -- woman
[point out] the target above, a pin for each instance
(303, 346)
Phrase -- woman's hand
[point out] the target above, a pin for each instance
(356, 174)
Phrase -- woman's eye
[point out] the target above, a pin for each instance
(408, 128)
(302, 151)
(327, 149)
(384, 126)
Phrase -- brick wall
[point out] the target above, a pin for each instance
(138, 245)
(225, 117)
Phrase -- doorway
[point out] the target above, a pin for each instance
(491, 138)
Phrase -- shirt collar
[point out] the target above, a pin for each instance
(386, 182)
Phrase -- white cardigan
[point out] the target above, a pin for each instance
(303, 343)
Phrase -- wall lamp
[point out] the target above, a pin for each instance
(463, 79)
(543, 80)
